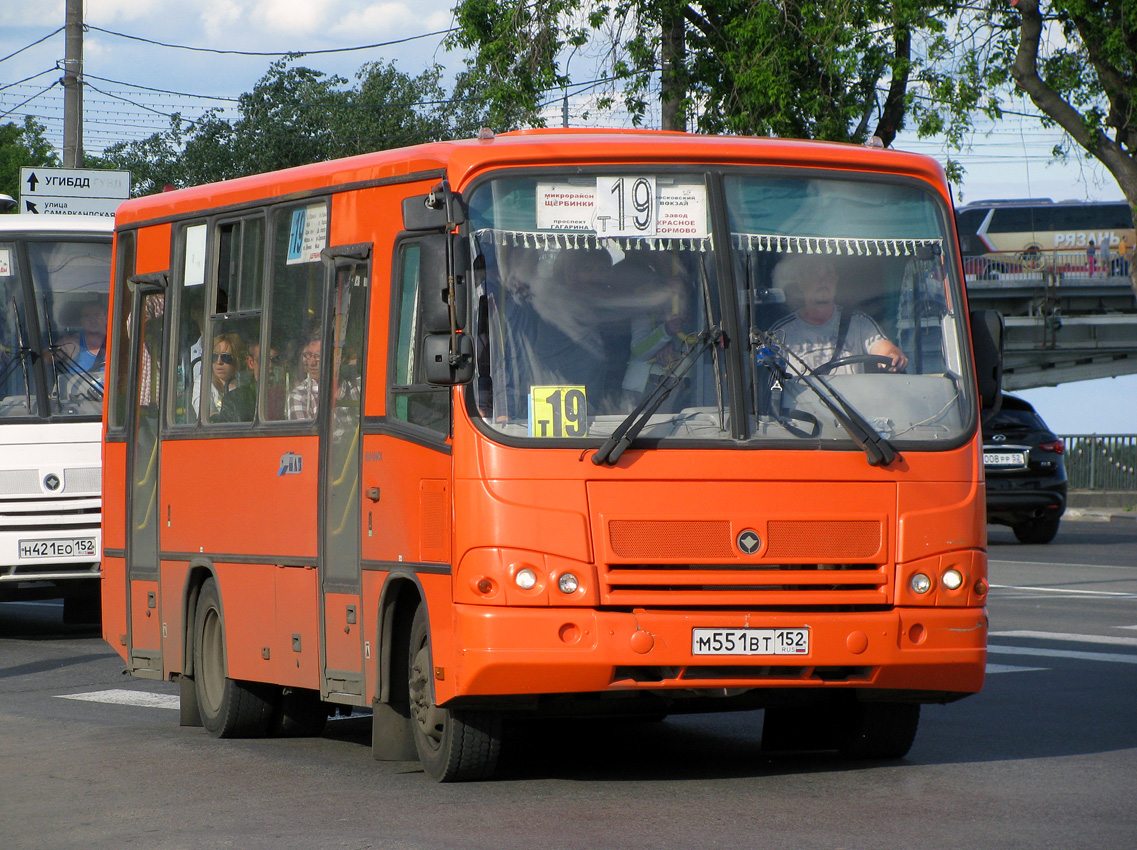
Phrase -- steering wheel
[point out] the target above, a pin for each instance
(871, 362)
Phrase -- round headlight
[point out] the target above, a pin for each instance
(526, 579)
(920, 583)
(568, 583)
(953, 579)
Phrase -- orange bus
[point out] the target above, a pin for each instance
(523, 426)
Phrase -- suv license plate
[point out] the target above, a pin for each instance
(750, 641)
(1004, 459)
(59, 547)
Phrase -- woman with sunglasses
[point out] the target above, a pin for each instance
(228, 354)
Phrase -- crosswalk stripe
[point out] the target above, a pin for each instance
(1069, 638)
(1115, 657)
(121, 696)
(1007, 668)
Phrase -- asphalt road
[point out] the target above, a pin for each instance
(1044, 757)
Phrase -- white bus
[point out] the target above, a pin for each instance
(54, 275)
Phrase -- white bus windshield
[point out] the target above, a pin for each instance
(53, 334)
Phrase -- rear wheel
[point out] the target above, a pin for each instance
(453, 745)
(1040, 530)
(228, 708)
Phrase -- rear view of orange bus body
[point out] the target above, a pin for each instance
(548, 423)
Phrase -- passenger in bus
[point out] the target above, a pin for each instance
(228, 356)
(240, 403)
(304, 397)
(85, 350)
(821, 331)
(658, 336)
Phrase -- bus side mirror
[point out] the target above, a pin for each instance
(438, 209)
(443, 366)
(987, 343)
(437, 282)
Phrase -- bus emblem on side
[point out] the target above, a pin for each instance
(290, 464)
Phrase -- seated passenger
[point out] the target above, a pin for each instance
(304, 397)
(228, 355)
(821, 331)
(240, 403)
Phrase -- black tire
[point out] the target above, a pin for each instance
(878, 730)
(228, 708)
(83, 610)
(1041, 530)
(453, 745)
(300, 713)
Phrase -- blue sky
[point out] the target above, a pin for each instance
(139, 85)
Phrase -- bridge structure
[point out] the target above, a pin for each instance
(1064, 321)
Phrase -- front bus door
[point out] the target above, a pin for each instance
(339, 545)
(147, 334)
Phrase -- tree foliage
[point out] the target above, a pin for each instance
(294, 115)
(22, 146)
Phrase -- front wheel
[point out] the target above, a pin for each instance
(228, 708)
(879, 730)
(453, 745)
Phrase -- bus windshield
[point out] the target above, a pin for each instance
(603, 297)
(53, 335)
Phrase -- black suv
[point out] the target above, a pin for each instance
(1026, 478)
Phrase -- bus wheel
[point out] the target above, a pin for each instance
(299, 714)
(229, 709)
(453, 745)
(879, 730)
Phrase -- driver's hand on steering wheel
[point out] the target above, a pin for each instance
(888, 349)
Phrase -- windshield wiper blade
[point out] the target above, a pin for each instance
(880, 452)
(635, 421)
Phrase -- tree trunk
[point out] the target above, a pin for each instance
(673, 92)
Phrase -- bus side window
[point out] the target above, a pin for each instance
(411, 399)
(290, 389)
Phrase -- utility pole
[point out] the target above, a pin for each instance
(73, 86)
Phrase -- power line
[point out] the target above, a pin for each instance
(272, 52)
(33, 44)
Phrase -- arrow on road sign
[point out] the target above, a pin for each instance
(31, 207)
(32, 180)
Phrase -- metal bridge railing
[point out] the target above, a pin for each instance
(1033, 263)
(1101, 461)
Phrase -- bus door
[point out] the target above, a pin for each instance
(146, 333)
(340, 429)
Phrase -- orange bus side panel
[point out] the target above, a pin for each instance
(114, 603)
(153, 252)
(342, 643)
(408, 519)
(297, 647)
(172, 604)
(145, 622)
(114, 492)
(250, 508)
(248, 602)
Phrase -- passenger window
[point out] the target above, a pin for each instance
(190, 323)
(412, 400)
(292, 385)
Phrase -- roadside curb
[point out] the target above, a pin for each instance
(1100, 515)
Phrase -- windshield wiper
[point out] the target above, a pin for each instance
(879, 451)
(631, 425)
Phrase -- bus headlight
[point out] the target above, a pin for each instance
(526, 579)
(920, 583)
(568, 583)
(953, 579)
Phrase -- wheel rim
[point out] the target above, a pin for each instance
(429, 719)
(212, 662)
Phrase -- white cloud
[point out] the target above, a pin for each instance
(105, 12)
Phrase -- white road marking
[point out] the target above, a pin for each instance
(1061, 636)
(1110, 594)
(121, 696)
(1007, 668)
(1064, 653)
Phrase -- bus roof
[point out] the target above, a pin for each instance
(461, 160)
(27, 223)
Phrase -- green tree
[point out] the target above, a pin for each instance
(22, 146)
(833, 69)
